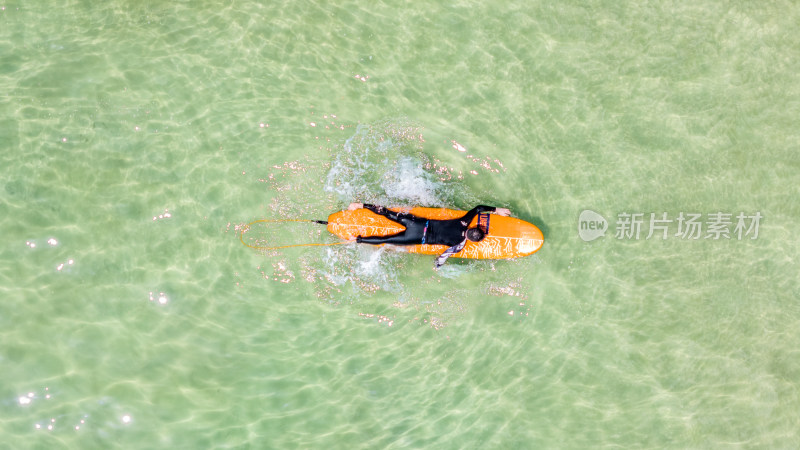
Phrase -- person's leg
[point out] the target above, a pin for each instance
(402, 238)
(413, 234)
(386, 212)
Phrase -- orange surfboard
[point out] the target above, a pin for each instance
(507, 237)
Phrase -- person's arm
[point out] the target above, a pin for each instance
(467, 218)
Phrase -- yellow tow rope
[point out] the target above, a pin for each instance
(246, 228)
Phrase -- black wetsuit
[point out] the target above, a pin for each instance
(424, 231)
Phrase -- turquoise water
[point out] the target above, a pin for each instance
(136, 138)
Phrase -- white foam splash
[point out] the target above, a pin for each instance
(366, 267)
(409, 183)
(369, 262)
(378, 164)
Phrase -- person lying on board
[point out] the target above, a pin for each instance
(453, 233)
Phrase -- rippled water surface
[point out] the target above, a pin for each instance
(137, 138)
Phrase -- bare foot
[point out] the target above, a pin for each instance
(355, 206)
(503, 212)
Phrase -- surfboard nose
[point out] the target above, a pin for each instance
(531, 239)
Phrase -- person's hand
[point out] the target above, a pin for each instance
(502, 212)
(355, 206)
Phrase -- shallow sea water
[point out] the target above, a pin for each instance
(137, 138)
